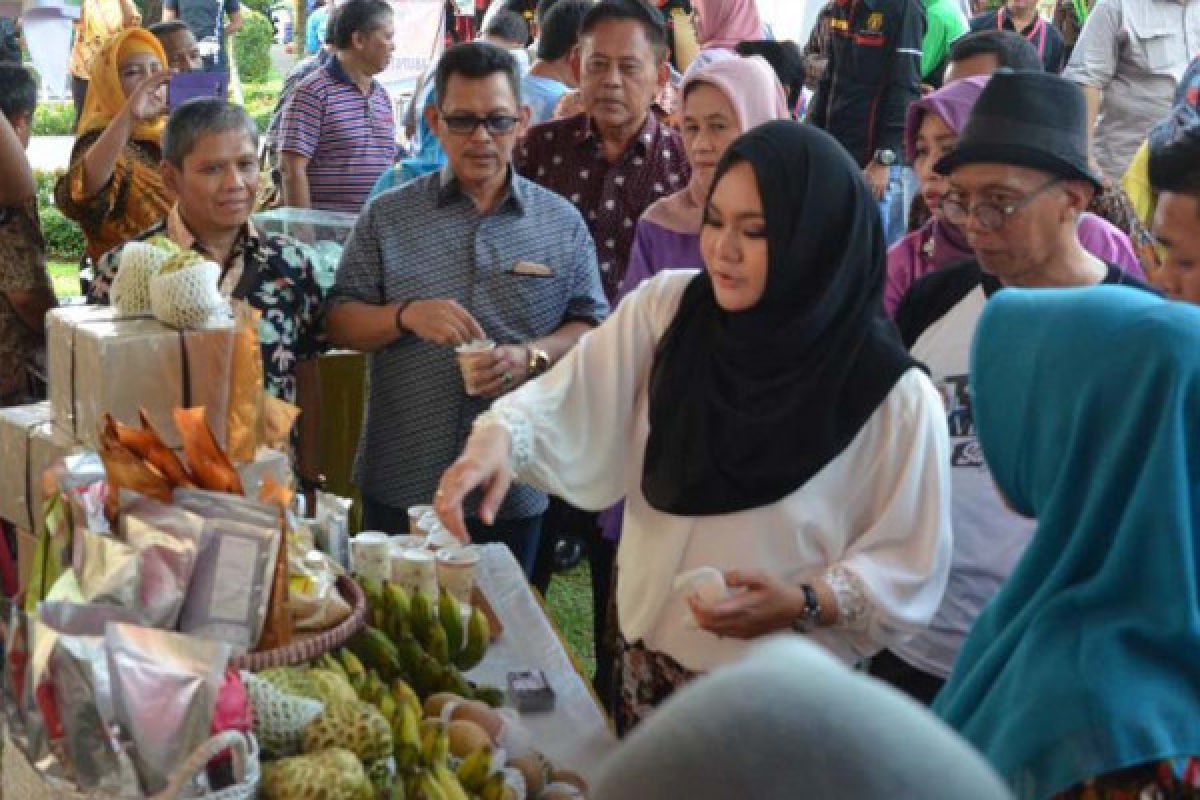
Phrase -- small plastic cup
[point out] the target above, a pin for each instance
(416, 571)
(468, 354)
(371, 552)
(456, 571)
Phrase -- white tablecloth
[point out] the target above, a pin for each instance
(575, 736)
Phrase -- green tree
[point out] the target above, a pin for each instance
(253, 47)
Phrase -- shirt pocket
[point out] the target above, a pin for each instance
(1156, 40)
(527, 305)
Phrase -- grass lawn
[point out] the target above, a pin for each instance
(570, 604)
(65, 276)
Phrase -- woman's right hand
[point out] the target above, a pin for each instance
(149, 99)
(484, 464)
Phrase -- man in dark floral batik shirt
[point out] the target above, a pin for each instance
(211, 163)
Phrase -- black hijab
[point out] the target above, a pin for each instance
(746, 407)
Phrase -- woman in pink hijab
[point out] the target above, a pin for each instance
(725, 23)
(721, 101)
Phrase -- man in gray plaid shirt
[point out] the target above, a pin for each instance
(472, 252)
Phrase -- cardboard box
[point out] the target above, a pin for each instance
(100, 362)
(17, 427)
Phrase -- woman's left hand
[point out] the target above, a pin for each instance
(767, 605)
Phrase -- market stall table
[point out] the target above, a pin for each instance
(575, 735)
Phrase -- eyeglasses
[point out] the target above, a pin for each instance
(990, 216)
(467, 124)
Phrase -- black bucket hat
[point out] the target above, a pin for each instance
(1027, 119)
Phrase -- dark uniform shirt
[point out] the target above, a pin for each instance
(1044, 37)
(874, 73)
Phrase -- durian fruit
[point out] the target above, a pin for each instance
(333, 774)
(357, 726)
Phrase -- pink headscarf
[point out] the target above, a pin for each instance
(754, 91)
(724, 23)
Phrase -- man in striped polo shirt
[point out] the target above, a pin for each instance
(338, 133)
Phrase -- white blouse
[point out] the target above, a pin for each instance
(875, 521)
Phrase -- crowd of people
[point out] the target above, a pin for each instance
(897, 331)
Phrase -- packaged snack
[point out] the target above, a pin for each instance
(107, 571)
(209, 465)
(168, 540)
(231, 583)
(164, 691)
(245, 418)
(83, 694)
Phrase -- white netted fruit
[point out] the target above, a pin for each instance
(188, 296)
(279, 719)
(130, 290)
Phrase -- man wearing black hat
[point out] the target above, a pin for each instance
(1019, 179)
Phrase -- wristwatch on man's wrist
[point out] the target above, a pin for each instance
(811, 615)
(401, 307)
(539, 361)
(884, 157)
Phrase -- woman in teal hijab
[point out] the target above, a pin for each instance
(1086, 665)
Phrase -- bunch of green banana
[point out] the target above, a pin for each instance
(376, 650)
(421, 639)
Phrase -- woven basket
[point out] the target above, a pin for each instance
(22, 782)
(310, 647)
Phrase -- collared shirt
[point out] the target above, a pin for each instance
(1135, 52)
(427, 240)
(22, 269)
(348, 137)
(299, 72)
(273, 274)
(1040, 33)
(567, 157)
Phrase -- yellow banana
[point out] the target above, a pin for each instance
(403, 694)
(406, 734)
(448, 782)
(427, 788)
(435, 745)
(478, 634)
(493, 788)
(353, 668)
(450, 618)
(475, 769)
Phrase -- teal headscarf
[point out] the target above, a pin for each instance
(1087, 404)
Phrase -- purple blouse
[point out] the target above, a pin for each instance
(656, 248)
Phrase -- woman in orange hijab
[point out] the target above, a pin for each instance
(113, 188)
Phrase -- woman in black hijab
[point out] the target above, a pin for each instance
(761, 418)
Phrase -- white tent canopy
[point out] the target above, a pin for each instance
(790, 19)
